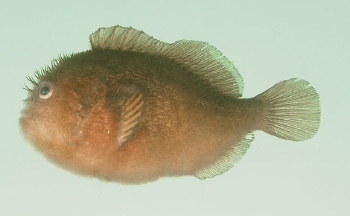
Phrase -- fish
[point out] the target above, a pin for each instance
(133, 109)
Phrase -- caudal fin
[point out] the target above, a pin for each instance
(291, 110)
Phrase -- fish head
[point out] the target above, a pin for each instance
(57, 107)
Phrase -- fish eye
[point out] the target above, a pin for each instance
(45, 90)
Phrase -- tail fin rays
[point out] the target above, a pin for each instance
(291, 110)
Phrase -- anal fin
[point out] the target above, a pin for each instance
(227, 161)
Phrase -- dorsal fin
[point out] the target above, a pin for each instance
(199, 57)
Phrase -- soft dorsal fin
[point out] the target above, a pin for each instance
(199, 57)
(229, 160)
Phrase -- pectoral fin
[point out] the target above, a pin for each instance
(131, 116)
(129, 103)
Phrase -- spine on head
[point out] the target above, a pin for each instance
(291, 110)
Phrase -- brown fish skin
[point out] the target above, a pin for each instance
(180, 124)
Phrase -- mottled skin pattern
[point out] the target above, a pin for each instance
(186, 124)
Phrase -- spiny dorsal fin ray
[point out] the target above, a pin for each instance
(199, 57)
(227, 161)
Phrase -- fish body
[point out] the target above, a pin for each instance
(133, 109)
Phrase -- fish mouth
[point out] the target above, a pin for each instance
(21, 123)
(26, 126)
(23, 118)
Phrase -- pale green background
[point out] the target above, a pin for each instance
(268, 40)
